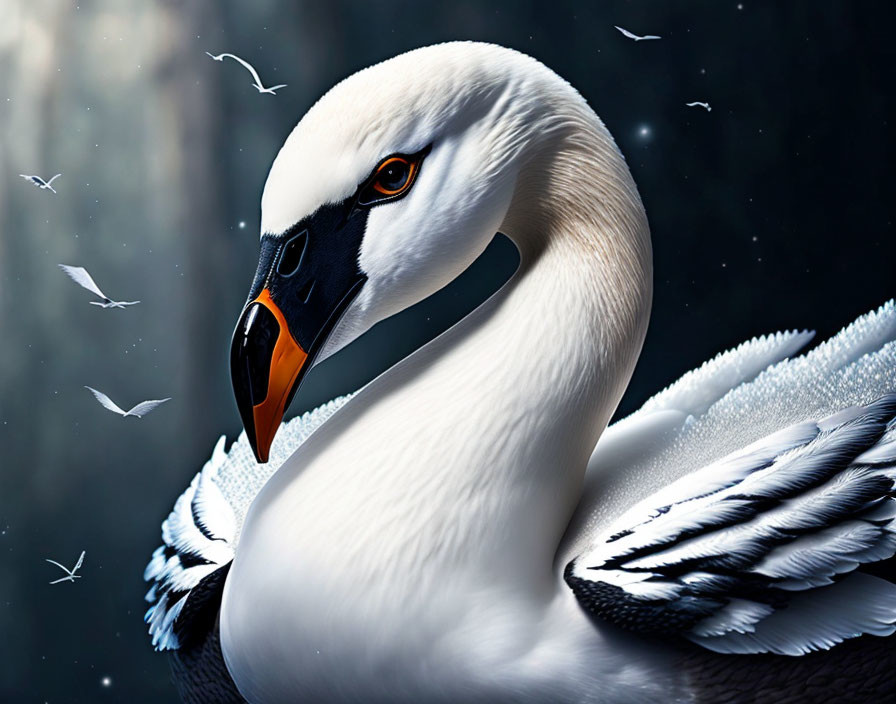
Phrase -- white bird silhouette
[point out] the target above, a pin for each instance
(70, 575)
(138, 411)
(698, 104)
(257, 79)
(80, 276)
(635, 36)
(40, 183)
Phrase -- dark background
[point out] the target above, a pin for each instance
(775, 210)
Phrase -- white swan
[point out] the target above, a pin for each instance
(410, 544)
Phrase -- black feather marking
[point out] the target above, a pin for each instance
(199, 523)
(705, 583)
(200, 611)
(639, 615)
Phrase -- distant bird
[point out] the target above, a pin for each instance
(138, 411)
(697, 104)
(40, 183)
(635, 36)
(257, 79)
(70, 575)
(80, 276)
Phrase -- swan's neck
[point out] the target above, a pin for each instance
(584, 241)
(433, 502)
(573, 318)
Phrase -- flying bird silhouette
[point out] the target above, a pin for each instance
(80, 276)
(70, 575)
(40, 183)
(635, 36)
(138, 411)
(256, 78)
(698, 104)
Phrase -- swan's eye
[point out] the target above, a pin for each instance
(392, 176)
(391, 179)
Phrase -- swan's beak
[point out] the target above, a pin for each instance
(305, 280)
(266, 365)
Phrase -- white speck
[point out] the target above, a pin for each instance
(644, 132)
(242, 224)
(740, 6)
(106, 681)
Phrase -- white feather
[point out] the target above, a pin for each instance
(204, 523)
(817, 620)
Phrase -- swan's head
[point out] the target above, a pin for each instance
(387, 189)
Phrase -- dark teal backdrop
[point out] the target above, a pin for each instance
(774, 210)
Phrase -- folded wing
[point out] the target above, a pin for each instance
(768, 547)
(761, 551)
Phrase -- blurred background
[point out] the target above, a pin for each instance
(774, 210)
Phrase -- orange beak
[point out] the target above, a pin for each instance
(305, 279)
(269, 362)
(286, 364)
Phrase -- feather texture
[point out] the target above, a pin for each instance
(700, 419)
(728, 555)
(201, 533)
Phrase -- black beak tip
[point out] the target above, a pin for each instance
(250, 357)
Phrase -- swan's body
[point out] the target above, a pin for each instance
(410, 548)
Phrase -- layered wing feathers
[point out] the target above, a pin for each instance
(722, 555)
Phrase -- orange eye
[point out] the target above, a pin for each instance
(392, 179)
(393, 176)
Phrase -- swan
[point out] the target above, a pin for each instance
(466, 527)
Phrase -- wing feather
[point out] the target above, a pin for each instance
(105, 401)
(685, 427)
(144, 407)
(720, 555)
(246, 65)
(80, 276)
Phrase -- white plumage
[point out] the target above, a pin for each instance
(788, 517)
(202, 531)
(420, 528)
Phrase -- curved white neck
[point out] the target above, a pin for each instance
(456, 471)
(580, 302)
(475, 446)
